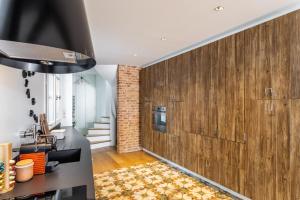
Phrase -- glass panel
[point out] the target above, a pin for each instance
(84, 101)
(58, 110)
(50, 98)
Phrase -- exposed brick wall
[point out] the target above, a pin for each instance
(128, 129)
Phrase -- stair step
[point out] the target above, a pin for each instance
(99, 138)
(99, 129)
(101, 122)
(99, 142)
(96, 135)
(101, 145)
(107, 117)
(102, 125)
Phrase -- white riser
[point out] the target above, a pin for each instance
(98, 132)
(97, 125)
(98, 138)
(100, 145)
(104, 120)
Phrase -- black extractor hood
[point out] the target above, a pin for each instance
(48, 36)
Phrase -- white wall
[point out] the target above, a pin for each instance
(14, 105)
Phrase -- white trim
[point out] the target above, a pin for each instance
(232, 31)
(191, 173)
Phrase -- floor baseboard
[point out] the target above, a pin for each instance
(201, 178)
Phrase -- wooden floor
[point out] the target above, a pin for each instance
(108, 159)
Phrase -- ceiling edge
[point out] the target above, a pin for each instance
(247, 25)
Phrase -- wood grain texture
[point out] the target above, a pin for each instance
(146, 126)
(295, 150)
(233, 110)
(108, 159)
(202, 92)
(234, 88)
(294, 39)
(261, 143)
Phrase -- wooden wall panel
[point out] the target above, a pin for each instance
(234, 88)
(202, 92)
(295, 149)
(189, 88)
(217, 90)
(281, 67)
(159, 85)
(233, 110)
(281, 128)
(146, 84)
(272, 59)
(146, 125)
(175, 79)
(261, 144)
(175, 118)
(263, 58)
(294, 38)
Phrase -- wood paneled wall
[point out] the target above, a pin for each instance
(233, 110)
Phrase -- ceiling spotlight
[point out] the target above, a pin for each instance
(163, 38)
(135, 55)
(219, 8)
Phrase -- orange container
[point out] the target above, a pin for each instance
(39, 160)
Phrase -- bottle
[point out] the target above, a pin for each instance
(7, 175)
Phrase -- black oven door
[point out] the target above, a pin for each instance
(160, 119)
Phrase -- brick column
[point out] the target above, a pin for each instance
(128, 129)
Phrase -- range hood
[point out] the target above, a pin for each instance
(48, 36)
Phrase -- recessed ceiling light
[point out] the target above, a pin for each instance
(135, 55)
(163, 38)
(45, 62)
(219, 8)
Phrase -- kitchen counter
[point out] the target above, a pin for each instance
(66, 175)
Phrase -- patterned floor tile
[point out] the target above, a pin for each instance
(152, 181)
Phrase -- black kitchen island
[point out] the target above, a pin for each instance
(66, 175)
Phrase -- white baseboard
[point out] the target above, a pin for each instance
(201, 178)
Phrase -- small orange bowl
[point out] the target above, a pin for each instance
(24, 170)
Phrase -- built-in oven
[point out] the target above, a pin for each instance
(160, 118)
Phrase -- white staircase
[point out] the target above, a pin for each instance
(100, 135)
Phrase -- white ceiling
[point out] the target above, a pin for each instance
(122, 28)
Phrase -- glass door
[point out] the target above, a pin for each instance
(54, 111)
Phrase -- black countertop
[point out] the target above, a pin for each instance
(66, 175)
